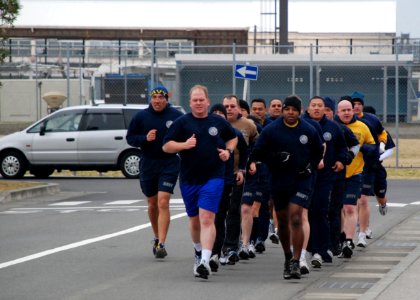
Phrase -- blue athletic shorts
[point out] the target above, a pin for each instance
(205, 196)
(352, 189)
(158, 175)
(368, 180)
(380, 186)
(298, 193)
(257, 186)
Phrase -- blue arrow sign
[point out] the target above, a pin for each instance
(246, 72)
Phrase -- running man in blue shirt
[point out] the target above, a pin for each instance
(204, 143)
(292, 149)
(158, 170)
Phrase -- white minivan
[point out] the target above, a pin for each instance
(73, 138)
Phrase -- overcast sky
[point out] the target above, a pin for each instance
(397, 16)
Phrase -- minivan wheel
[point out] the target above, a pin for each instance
(13, 165)
(129, 164)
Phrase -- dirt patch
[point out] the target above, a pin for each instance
(16, 185)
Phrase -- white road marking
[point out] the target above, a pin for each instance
(117, 209)
(69, 203)
(123, 202)
(80, 244)
(396, 204)
(15, 212)
(415, 203)
(176, 201)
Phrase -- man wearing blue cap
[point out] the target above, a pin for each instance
(158, 170)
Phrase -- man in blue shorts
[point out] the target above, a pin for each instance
(204, 143)
(158, 170)
(292, 149)
(353, 181)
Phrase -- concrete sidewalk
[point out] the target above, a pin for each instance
(31, 192)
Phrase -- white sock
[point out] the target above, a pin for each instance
(197, 247)
(205, 255)
(303, 253)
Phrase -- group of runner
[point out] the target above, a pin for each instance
(301, 179)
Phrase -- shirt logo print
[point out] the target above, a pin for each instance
(213, 131)
(303, 139)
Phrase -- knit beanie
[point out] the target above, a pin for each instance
(160, 90)
(330, 103)
(293, 101)
(358, 97)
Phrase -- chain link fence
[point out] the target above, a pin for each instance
(125, 72)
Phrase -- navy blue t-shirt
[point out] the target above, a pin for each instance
(146, 120)
(202, 162)
(302, 142)
(336, 146)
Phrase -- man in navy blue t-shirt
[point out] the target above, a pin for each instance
(292, 149)
(158, 170)
(204, 143)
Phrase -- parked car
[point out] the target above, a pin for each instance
(73, 138)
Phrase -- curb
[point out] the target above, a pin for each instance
(25, 193)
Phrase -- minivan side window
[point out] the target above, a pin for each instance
(104, 121)
(128, 115)
(63, 121)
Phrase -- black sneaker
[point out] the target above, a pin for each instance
(259, 246)
(161, 251)
(232, 257)
(203, 270)
(347, 251)
(243, 253)
(294, 269)
(286, 272)
(155, 243)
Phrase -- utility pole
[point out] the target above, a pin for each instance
(284, 28)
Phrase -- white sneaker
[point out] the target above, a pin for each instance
(368, 233)
(214, 263)
(316, 261)
(197, 260)
(251, 250)
(304, 268)
(362, 240)
(203, 269)
(223, 259)
(383, 209)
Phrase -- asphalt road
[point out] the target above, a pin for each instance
(92, 241)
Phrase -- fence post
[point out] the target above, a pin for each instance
(125, 78)
(311, 71)
(68, 74)
(385, 89)
(37, 100)
(233, 68)
(397, 111)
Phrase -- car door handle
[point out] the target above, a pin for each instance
(69, 139)
(118, 138)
